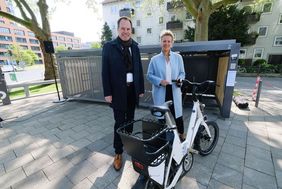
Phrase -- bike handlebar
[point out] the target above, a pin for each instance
(195, 85)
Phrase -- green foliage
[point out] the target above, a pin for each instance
(95, 45)
(279, 68)
(18, 54)
(189, 33)
(60, 48)
(241, 62)
(230, 23)
(106, 34)
(259, 62)
(30, 57)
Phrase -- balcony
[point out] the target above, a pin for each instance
(253, 18)
(173, 5)
(126, 12)
(174, 25)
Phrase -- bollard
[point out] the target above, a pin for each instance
(258, 93)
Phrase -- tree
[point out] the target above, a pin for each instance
(60, 48)
(201, 11)
(95, 45)
(189, 33)
(230, 23)
(106, 34)
(18, 54)
(31, 57)
(42, 31)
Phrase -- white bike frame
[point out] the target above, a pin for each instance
(179, 149)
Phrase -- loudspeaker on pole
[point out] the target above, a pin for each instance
(48, 46)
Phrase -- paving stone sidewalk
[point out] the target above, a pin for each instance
(62, 146)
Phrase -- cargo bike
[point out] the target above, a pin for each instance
(155, 147)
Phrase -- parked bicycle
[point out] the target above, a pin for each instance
(156, 149)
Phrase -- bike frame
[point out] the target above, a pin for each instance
(180, 149)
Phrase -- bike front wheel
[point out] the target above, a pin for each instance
(203, 142)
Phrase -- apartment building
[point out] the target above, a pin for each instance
(13, 33)
(266, 20)
(149, 20)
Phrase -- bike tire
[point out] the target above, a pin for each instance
(202, 137)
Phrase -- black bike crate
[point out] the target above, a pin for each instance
(145, 141)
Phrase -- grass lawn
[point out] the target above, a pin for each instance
(33, 90)
(34, 67)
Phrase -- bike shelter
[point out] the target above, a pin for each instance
(207, 60)
(80, 71)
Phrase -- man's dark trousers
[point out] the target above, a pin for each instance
(122, 117)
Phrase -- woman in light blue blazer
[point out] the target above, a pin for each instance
(164, 68)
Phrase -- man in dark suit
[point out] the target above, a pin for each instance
(123, 80)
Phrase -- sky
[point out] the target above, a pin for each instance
(77, 18)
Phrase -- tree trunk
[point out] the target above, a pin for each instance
(48, 61)
(202, 23)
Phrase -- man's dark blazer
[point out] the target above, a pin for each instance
(114, 73)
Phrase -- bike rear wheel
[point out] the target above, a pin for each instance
(203, 143)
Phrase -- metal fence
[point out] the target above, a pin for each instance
(81, 78)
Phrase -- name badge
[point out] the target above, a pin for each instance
(129, 77)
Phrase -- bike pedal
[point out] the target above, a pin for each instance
(193, 151)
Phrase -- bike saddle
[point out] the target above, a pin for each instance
(159, 111)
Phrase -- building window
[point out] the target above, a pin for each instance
(5, 38)
(60, 38)
(138, 4)
(68, 39)
(258, 53)
(54, 38)
(76, 46)
(280, 19)
(138, 39)
(4, 46)
(161, 20)
(138, 23)
(33, 41)
(24, 47)
(243, 53)
(31, 34)
(75, 41)
(19, 32)
(278, 41)
(114, 9)
(262, 31)
(35, 48)
(267, 7)
(4, 54)
(149, 30)
(2, 21)
(21, 40)
(4, 30)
